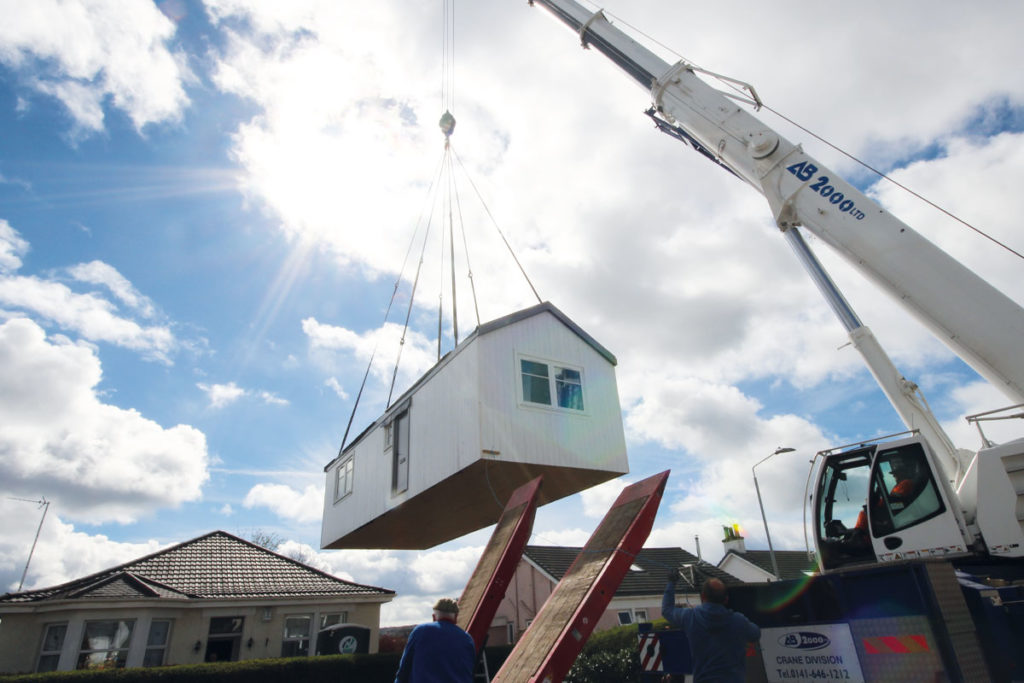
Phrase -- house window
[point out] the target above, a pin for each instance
(53, 643)
(156, 642)
(343, 478)
(625, 617)
(510, 633)
(333, 619)
(296, 636)
(225, 639)
(551, 385)
(640, 615)
(400, 453)
(105, 644)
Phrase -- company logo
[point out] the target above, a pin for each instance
(348, 645)
(804, 640)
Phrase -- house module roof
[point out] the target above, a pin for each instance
(217, 565)
(647, 574)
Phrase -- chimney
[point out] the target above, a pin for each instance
(733, 540)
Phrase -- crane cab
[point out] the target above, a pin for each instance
(883, 503)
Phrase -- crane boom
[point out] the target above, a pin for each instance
(978, 322)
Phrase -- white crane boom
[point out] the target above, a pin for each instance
(978, 322)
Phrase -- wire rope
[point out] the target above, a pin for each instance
(387, 312)
(498, 228)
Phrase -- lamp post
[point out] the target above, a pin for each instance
(771, 550)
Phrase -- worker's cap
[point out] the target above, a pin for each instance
(447, 605)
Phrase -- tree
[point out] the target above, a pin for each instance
(265, 539)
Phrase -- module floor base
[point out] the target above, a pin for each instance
(471, 499)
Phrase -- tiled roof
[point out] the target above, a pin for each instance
(793, 564)
(648, 579)
(216, 565)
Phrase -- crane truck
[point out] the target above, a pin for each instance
(909, 501)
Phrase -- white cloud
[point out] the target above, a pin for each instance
(300, 506)
(100, 273)
(221, 395)
(334, 385)
(62, 554)
(12, 248)
(90, 316)
(418, 353)
(84, 53)
(97, 462)
(598, 500)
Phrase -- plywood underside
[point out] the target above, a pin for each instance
(470, 499)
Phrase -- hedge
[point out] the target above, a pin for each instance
(375, 668)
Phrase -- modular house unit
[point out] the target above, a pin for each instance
(525, 395)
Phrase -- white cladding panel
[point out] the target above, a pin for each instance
(524, 432)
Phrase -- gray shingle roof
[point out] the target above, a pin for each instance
(216, 565)
(793, 564)
(653, 564)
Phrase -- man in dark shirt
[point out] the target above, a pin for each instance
(438, 651)
(718, 636)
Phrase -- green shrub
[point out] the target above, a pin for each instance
(606, 666)
(376, 668)
(327, 669)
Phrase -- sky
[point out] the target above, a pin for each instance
(206, 205)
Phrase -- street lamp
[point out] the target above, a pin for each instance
(771, 550)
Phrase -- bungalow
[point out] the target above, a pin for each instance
(214, 598)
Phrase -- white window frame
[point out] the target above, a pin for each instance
(325, 619)
(553, 367)
(115, 651)
(308, 638)
(625, 617)
(154, 647)
(344, 475)
(640, 616)
(55, 653)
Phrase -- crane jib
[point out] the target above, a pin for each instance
(680, 134)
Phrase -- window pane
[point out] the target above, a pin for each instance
(297, 627)
(225, 625)
(907, 489)
(625, 618)
(153, 657)
(48, 663)
(106, 635)
(569, 386)
(158, 631)
(533, 368)
(53, 641)
(114, 659)
(332, 619)
(536, 390)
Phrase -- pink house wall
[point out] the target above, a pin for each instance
(528, 591)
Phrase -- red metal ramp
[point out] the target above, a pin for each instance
(555, 638)
(497, 565)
